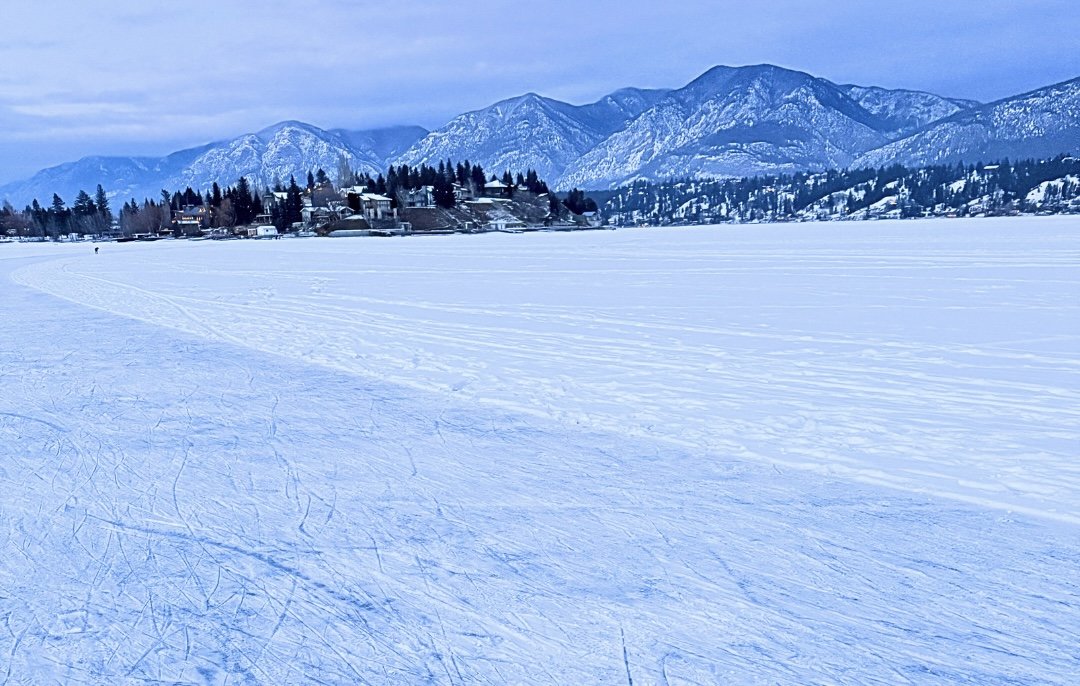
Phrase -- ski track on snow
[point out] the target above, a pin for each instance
(941, 358)
(545, 459)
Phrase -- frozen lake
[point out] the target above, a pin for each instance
(938, 357)
(842, 453)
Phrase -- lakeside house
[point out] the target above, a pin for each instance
(498, 189)
(420, 197)
(191, 220)
(372, 206)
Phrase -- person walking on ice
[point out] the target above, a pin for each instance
(96, 248)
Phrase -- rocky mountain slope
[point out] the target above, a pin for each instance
(904, 110)
(1039, 124)
(266, 157)
(733, 122)
(729, 122)
(530, 132)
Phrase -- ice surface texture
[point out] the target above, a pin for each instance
(656, 456)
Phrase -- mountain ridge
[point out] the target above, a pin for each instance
(265, 157)
(734, 121)
(1040, 123)
(727, 122)
(530, 132)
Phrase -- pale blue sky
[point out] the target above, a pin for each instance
(130, 77)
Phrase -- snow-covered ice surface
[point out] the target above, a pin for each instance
(842, 454)
(939, 357)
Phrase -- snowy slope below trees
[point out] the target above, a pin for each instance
(813, 454)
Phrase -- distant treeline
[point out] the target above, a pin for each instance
(1049, 186)
(443, 179)
(1005, 187)
(241, 203)
(86, 216)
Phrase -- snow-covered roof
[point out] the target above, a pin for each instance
(495, 184)
(355, 190)
(887, 201)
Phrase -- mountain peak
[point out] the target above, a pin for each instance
(289, 124)
(733, 122)
(729, 121)
(269, 155)
(526, 100)
(748, 72)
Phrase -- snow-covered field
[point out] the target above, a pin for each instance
(841, 453)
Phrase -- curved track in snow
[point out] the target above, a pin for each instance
(180, 506)
(935, 357)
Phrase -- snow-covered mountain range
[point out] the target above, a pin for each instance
(734, 122)
(265, 157)
(532, 132)
(730, 121)
(1039, 124)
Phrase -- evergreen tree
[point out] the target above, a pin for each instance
(478, 179)
(59, 217)
(84, 215)
(40, 217)
(84, 205)
(444, 192)
(294, 204)
(578, 203)
(242, 202)
(101, 200)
